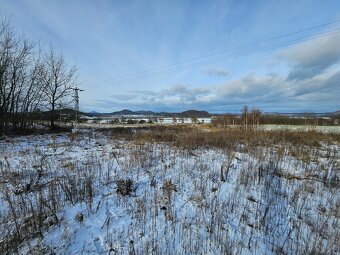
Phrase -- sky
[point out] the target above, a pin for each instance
(168, 55)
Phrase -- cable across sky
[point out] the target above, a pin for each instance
(235, 52)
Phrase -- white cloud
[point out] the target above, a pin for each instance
(311, 58)
(272, 92)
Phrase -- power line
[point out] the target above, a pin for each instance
(275, 46)
(221, 52)
(216, 60)
(163, 70)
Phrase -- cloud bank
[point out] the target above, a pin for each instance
(312, 83)
(272, 92)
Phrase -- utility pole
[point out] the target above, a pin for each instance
(76, 108)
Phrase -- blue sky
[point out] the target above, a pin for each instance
(110, 39)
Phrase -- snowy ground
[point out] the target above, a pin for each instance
(323, 129)
(59, 195)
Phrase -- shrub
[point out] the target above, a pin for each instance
(124, 187)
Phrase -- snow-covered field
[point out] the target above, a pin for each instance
(71, 194)
(323, 129)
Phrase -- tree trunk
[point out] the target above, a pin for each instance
(52, 118)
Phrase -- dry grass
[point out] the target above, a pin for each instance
(193, 137)
(265, 190)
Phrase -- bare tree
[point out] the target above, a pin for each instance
(194, 120)
(58, 82)
(7, 44)
(30, 80)
(255, 117)
(15, 52)
(310, 119)
(245, 116)
(32, 94)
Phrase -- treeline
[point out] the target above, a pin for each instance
(31, 80)
(307, 119)
(247, 119)
(252, 118)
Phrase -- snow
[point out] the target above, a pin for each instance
(138, 118)
(323, 129)
(267, 204)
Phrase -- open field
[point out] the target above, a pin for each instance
(322, 129)
(172, 190)
(169, 127)
(266, 127)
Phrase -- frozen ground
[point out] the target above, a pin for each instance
(323, 129)
(61, 194)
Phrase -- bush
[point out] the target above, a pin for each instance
(124, 187)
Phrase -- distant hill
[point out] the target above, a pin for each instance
(146, 112)
(93, 113)
(194, 113)
(191, 113)
(126, 112)
(336, 113)
(65, 111)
